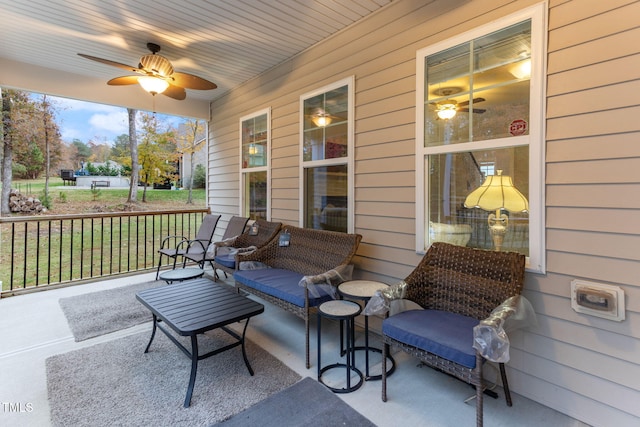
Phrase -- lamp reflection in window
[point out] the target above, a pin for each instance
(496, 193)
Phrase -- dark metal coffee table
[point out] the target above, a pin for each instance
(193, 307)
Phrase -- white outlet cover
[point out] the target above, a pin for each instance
(617, 314)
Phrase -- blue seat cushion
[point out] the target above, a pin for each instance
(226, 260)
(279, 283)
(445, 334)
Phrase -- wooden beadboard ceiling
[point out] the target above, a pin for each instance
(225, 41)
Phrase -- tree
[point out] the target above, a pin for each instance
(16, 116)
(189, 138)
(156, 153)
(100, 152)
(83, 152)
(7, 152)
(133, 151)
(51, 138)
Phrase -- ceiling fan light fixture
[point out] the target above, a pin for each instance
(158, 64)
(447, 110)
(522, 70)
(153, 85)
(321, 120)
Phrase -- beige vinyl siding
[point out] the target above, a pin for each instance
(584, 366)
(593, 230)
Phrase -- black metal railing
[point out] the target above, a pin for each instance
(38, 251)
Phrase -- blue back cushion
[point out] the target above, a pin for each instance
(280, 283)
(445, 334)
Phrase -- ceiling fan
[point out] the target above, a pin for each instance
(156, 75)
(448, 108)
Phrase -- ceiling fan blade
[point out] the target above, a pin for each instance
(175, 92)
(475, 110)
(122, 81)
(190, 81)
(113, 63)
(475, 101)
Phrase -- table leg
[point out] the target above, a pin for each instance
(194, 369)
(153, 333)
(244, 353)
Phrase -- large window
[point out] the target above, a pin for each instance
(325, 157)
(255, 136)
(480, 138)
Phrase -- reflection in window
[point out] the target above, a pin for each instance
(326, 175)
(454, 176)
(481, 138)
(484, 85)
(255, 195)
(326, 125)
(254, 157)
(326, 198)
(254, 141)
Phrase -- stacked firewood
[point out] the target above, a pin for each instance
(19, 203)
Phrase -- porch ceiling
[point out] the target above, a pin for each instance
(226, 41)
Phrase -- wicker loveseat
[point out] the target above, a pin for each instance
(458, 288)
(308, 253)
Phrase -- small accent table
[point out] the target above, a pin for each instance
(195, 307)
(363, 290)
(180, 274)
(344, 311)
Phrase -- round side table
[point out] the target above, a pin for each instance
(363, 290)
(180, 274)
(345, 312)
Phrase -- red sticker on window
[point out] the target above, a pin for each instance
(518, 127)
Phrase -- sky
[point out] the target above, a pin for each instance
(88, 121)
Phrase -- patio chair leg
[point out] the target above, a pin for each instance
(306, 327)
(505, 385)
(479, 394)
(385, 350)
(158, 269)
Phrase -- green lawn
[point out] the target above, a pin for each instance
(71, 199)
(51, 251)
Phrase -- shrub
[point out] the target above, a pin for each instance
(199, 177)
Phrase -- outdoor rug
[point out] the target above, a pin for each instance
(306, 403)
(117, 384)
(98, 313)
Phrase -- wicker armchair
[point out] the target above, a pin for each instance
(310, 253)
(458, 287)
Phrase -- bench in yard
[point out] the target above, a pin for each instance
(95, 184)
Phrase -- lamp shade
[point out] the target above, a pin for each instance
(153, 85)
(497, 192)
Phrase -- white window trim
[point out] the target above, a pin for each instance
(535, 140)
(266, 168)
(350, 83)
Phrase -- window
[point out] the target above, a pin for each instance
(255, 138)
(326, 152)
(479, 124)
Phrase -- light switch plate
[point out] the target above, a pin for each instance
(598, 299)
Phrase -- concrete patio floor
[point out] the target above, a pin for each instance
(33, 328)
